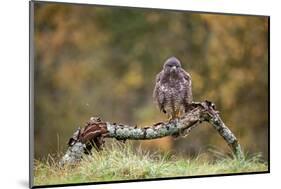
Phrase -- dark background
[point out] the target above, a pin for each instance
(102, 61)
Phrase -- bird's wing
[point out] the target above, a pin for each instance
(187, 78)
(186, 75)
(158, 76)
(157, 84)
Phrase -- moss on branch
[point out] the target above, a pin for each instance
(93, 134)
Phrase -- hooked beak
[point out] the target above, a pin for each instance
(174, 69)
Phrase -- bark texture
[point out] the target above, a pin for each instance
(93, 134)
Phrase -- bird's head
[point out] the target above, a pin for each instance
(172, 66)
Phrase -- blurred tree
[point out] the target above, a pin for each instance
(102, 61)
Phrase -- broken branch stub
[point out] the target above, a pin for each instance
(93, 134)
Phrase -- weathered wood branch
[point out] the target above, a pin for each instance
(93, 134)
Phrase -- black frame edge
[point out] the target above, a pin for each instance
(31, 93)
(145, 8)
(147, 180)
(31, 98)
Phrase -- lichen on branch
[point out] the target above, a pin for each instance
(93, 134)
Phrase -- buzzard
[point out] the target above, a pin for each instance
(172, 91)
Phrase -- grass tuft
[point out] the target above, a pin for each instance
(123, 162)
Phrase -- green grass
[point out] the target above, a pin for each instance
(123, 162)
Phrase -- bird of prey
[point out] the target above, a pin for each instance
(172, 91)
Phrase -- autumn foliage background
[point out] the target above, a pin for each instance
(102, 61)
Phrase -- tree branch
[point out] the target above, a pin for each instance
(93, 134)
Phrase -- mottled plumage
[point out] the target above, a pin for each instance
(172, 90)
